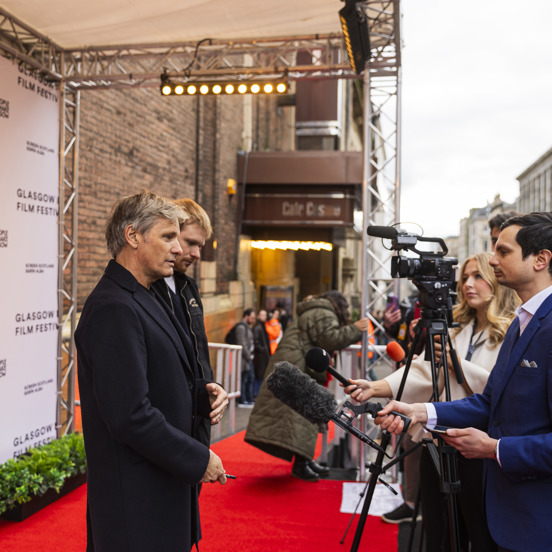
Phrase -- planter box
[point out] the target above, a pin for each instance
(20, 512)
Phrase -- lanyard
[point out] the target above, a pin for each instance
(473, 346)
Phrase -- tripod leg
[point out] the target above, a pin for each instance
(414, 522)
(375, 470)
(354, 513)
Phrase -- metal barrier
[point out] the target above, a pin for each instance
(227, 371)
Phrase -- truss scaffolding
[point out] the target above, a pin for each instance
(141, 65)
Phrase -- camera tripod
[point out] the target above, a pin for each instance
(443, 456)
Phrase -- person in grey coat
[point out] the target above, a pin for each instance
(275, 428)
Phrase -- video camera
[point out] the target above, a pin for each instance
(432, 273)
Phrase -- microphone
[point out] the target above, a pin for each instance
(395, 351)
(387, 232)
(318, 359)
(301, 393)
(309, 399)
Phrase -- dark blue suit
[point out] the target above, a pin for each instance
(140, 399)
(516, 407)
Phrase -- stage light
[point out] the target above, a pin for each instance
(220, 87)
(355, 33)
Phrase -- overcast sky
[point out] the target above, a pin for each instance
(476, 101)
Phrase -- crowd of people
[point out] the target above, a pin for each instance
(149, 400)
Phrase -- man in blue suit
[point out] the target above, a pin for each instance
(510, 423)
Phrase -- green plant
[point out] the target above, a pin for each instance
(39, 469)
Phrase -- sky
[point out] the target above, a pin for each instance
(476, 105)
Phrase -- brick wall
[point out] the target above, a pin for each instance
(135, 139)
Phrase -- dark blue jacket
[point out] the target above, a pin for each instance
(516, 407)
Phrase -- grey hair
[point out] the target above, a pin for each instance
(141, 211)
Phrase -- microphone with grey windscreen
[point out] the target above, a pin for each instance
(309, 399)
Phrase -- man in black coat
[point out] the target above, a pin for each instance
(141, 395)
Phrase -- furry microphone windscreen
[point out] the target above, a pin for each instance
(301, 393)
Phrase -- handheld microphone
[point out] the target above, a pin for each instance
(387, 232)
(309, 399)
(318, 359)
(395, 351)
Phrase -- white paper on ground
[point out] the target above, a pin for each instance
(383, 500)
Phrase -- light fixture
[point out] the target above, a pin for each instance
(292, 245)
(356, 35)
(222, 88)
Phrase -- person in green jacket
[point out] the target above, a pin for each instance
(321, 321)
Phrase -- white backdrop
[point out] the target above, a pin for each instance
(29, 134)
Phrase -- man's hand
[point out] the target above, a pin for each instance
(214, 471)
(394, 424)
(471, 442)
(218, 398)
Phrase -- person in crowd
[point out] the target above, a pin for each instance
(321, 321)
(181, 293)
(273, 329)
(141, 394)
(509, 424)
(397, 318)
(284, 317)
(496, 222)
(484, 312)
(244, 337)
(262, 350)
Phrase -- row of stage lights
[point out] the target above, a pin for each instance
(228, 88)
(292, 245)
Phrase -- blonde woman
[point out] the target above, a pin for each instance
(484, 312)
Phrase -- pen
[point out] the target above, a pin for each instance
(228, 476)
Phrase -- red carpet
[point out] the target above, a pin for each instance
(264, 509)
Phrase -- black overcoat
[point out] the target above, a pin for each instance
(140, 398)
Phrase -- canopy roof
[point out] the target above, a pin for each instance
(83, 23)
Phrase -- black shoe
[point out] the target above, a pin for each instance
(302, 471)
(403, 513)
(323, 471)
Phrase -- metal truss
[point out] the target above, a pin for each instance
(67, 257)
(381, 182)
(19, 41)
(381, 186)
